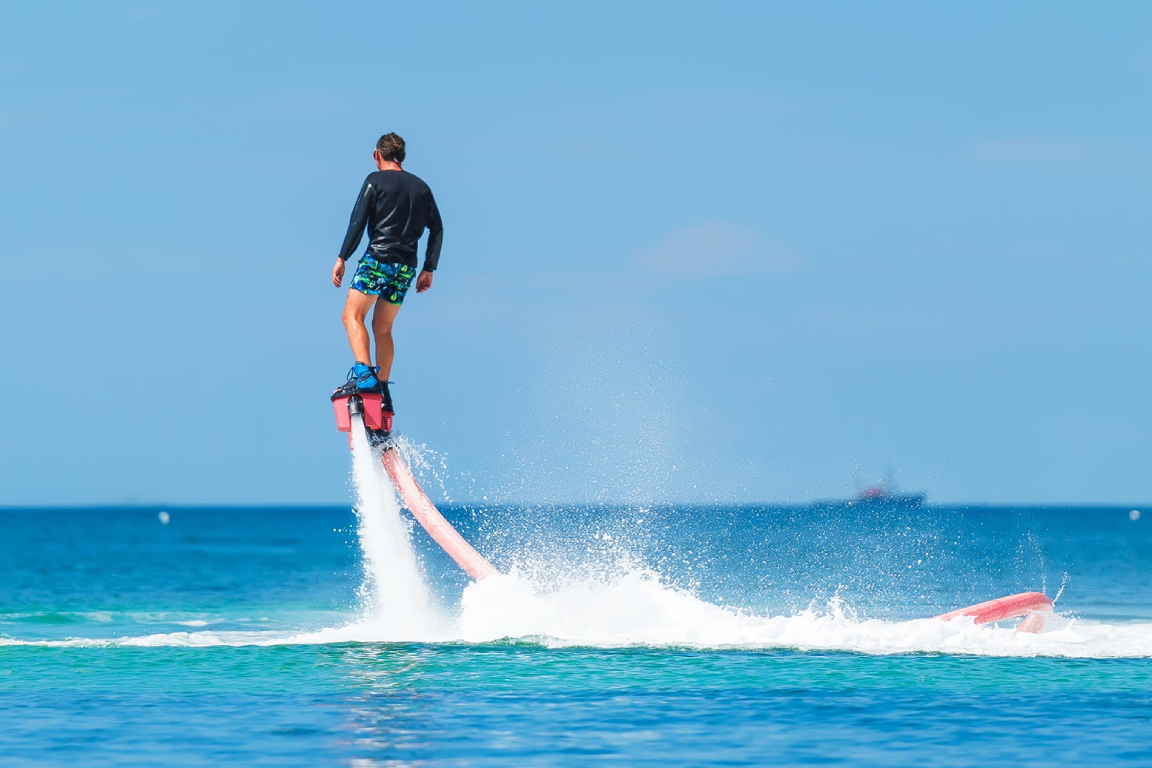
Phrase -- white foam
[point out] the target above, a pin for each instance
(637, 609)
(395, 599)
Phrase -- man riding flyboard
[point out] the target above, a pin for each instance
(396, 207)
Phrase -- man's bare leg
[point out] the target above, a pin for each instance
(355, 310)
(382, 319)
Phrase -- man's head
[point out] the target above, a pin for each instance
(389, 149)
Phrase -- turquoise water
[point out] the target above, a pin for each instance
(662, 635)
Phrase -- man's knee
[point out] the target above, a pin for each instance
(352, 318)
(381, 324)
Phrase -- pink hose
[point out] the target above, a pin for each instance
(1035, 607)
(428, 516)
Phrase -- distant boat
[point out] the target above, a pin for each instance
(877, 496)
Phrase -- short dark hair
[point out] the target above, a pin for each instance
(391, 147)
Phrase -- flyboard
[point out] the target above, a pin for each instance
(373, 412)
(366, 410)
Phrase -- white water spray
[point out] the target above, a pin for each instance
(624, 604)
(396, 601)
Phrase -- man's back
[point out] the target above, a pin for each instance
(396, 207)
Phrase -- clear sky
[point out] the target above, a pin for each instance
(693, 251)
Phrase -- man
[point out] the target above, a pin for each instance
(396, 206)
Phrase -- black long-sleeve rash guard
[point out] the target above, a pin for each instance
(396, 206)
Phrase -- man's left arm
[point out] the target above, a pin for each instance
(435, 240)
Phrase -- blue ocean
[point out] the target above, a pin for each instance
(666, 635)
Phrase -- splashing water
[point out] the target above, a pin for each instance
(395, 599)
(573, 585)
(637, 609)
(615, 600)
(619, 601)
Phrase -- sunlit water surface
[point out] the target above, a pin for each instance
(623, 636)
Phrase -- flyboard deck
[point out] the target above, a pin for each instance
(1035, 607)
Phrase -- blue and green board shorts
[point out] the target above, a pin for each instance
(389, 280)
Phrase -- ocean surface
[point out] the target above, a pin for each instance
(662, 635)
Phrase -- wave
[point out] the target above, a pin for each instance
(638, 610)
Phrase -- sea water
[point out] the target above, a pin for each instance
(620, 635)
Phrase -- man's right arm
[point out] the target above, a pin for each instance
(358, 221)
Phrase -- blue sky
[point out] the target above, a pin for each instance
(735, 252)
